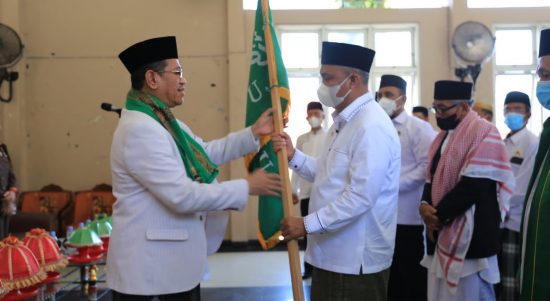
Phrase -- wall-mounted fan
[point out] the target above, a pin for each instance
(11, 50)
(473, 44)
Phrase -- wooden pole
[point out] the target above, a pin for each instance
(292, 245)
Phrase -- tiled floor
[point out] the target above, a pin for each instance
(248, 276)
(239, 276)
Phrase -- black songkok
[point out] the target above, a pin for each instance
(347, 55)
(519, 97)
(544, 48)
(149, 51)
(393, 81)
(314, 105)
(452, 90)
(421, 109)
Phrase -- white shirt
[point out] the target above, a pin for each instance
(522, 150)
(353, 205)
(416, 136)
(310, 144)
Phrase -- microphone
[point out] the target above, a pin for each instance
(110, 108)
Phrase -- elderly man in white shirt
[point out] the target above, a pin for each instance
(353, 205)
(408, 279)
(310, 143)
(521, 145)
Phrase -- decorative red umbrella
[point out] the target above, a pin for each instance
(46, 251)
(19, 269)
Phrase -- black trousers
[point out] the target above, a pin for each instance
(192, 295)
(408, 279)
(331, 286)
(304, 208)
(4, 222)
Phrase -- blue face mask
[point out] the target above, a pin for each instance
(543, 93)
(514, 121)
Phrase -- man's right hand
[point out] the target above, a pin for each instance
(282, 140)
(263, 183)
(429, 215)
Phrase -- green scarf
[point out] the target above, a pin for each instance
(197, 164)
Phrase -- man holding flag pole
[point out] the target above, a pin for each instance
(268, 88)
(353, 205)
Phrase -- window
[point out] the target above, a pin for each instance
(301, 51)
(515, 70)
(507, 3)
(416, 3)
(337, 4)
(295, 4)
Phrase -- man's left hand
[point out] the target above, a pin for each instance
(7, 205)
(264, 125)
(293, 228)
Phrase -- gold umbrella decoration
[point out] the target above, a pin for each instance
(3, 290)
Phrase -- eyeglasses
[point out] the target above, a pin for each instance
(178, 72)
(442, 110)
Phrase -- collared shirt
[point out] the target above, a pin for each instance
(416, 136)
(522, 150)
(310, 144)
(353, 205)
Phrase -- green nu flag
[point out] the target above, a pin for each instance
(270, 210)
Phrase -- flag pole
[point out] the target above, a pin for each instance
(292, 245)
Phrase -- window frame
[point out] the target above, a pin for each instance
(516, 4)
(499, 70)
(369, 41)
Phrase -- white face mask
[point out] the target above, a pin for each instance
(327, 95)
(314, 121)
(388, 105)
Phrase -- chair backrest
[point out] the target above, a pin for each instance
(55, 203)
(89, 203)
(103, 187)
(45, 201)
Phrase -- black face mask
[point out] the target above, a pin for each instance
(449, 123)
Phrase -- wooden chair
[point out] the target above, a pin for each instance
(87, 204)
(50, 200)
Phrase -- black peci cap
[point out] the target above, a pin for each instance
(519, 97)
(544, 47)
(393, 81)
(347, 55)
(452, 90)
(421, 109)
(314, 105)
(149, 51)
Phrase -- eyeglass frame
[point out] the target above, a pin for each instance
(436, 110)
(178, 72)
